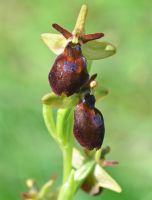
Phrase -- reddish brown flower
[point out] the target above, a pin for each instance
(69, 72)
(88, 124)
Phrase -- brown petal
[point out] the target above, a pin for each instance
(63, 31)
(90, 37)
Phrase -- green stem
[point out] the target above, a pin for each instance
(64, 132)
(68, 189)
(61, 124)
(67, 162)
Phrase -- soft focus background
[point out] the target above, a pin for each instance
(26, 149)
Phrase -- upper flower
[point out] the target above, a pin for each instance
(92, 50)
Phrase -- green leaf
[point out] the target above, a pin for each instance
(105, 180)
(55, 42)
(60, 101)
(95, 50)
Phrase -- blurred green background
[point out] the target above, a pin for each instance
(26, 149)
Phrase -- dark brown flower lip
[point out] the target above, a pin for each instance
(88, 124)
(69, 73)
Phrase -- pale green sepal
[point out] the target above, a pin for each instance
(55, 42)
(95, 50)
(105, 180)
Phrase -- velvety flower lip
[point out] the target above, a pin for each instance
(88, 123)
(69, 71)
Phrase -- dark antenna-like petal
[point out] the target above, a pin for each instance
(90, 37)
(63, 31)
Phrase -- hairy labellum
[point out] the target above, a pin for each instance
(69, 72)
(88, 124)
